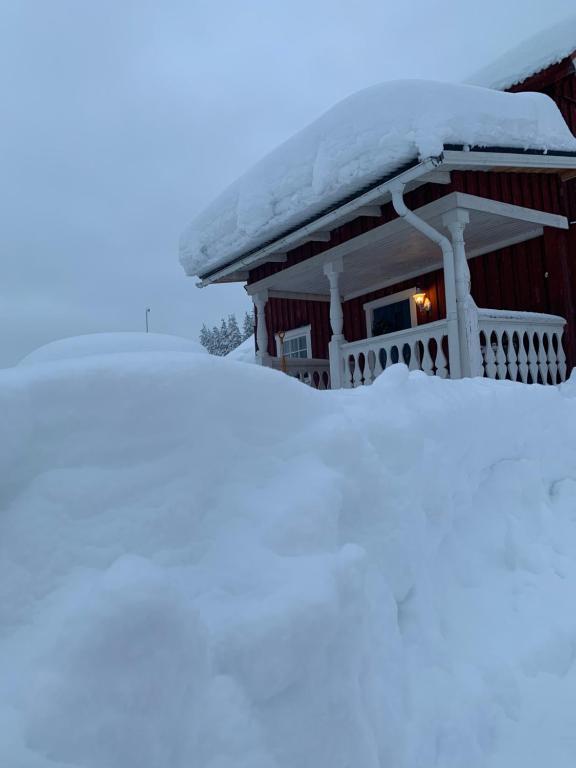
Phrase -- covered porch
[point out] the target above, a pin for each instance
(444, 333)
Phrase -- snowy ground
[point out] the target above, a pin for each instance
(205, 564)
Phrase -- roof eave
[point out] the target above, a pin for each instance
(236, 270)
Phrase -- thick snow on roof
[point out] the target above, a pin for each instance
(125, 342)
(206, 564)
(533, 55)
(368, 135)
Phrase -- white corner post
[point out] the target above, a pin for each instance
(466, 309)
(333, 270)
(260, 300)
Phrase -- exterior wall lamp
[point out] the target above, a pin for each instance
(422, 301)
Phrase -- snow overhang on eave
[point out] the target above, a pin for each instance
(432, 170)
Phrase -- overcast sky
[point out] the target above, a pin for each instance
(120, 119)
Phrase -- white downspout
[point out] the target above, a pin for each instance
(449, 276)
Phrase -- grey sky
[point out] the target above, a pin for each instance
(121, 118)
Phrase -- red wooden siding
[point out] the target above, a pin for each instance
(286, 314)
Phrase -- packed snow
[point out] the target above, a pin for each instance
(109, 343)
(209, 564)
(530, 57)
(245, 353)
(359, 141)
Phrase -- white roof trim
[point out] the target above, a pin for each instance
(426, 171)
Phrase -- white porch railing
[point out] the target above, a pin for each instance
(522, 346)
(519, 346)
(312, 371)
(423, 348)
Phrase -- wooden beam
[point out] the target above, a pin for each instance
(277, 258)
(318, 237)
(234, 277)
(439, 177)
(296, 296)
(369, 211)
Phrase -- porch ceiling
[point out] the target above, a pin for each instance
(396, 251)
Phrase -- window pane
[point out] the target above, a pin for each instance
(391, 318)
(296, 347)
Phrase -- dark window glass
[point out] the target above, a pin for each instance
(391, 318)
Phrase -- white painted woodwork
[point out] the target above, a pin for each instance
(315, 372)
(522, 346)
(317, 237)
(295, 296)
(260, 300)
(466, 309)
(332, 271)
(421, 348)
(294, 333)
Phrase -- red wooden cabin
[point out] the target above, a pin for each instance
(459, 265)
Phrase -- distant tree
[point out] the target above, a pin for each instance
(248, 325)
(207, 338)
(222, 339)
(234, 336)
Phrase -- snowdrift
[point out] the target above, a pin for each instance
(207, 564)
(123, 343)
(356, 143)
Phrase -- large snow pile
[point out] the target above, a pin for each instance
(368, 135)
(109, 343)
(208, 564)
(529, 57)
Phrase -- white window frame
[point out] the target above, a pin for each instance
(393, 298)
(294, 333)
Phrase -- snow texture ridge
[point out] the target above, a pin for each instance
(356, 143)
(110, 343)
(209, 564)
(531, 56)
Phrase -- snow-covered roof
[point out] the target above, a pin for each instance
(530, 57)
(355, 144)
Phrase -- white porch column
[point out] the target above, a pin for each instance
(260, 300)
(333, 270)
(466, 309)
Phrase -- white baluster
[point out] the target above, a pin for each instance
(542, 358)
(532, 358)
(371, 363)
(427, 363)
(377, 364)
(522, 357)
(441, 362)
(489, 355)
(512, 357)
(414, 363)
(561, 358)
(552, 364)
(356, 373)
(500, 355)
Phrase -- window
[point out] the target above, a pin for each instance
(390, 314)
(297, 343)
